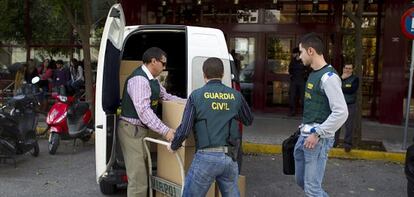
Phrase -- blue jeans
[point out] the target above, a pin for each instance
(207, 167)
(310, 166)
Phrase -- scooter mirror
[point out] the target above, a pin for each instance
(35, 80)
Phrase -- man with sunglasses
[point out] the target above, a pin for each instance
(142, 92)
(324, 112)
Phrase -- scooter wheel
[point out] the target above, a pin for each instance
(35, 151)
(86, 138)
(53, 143)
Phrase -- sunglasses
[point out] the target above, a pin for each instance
(164, 64)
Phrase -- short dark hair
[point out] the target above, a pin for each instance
(153, 52)
(350, 64)
(213, 68)
(314, 41)
(59, 62)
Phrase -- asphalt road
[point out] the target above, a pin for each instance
(71, 172)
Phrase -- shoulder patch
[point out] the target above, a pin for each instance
(327, 75)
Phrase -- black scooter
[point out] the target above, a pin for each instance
(18, 121)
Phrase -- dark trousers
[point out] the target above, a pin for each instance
(348, 126)
(296, 91)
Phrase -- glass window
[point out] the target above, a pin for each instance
(279, 54)
(369, 22)
(247, 16)
(277, 73)
(316, 13)
(368, 63)
(284, 14)
(244, 48)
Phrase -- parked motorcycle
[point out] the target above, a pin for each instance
(69, 118)
(18, 122)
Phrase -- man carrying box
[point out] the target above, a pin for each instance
(139, 103)
(213, 112)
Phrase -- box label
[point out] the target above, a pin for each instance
(165, 187)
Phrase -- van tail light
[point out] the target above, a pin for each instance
(124, 178)
(236, 86)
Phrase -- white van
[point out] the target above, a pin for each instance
(120, 53)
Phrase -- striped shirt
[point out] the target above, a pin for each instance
(140, 92)
(183, 131)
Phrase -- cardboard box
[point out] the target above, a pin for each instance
(168, 167)
(241, 184)
(126, 68)
(172, 113)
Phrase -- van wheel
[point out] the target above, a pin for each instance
(53, 143)
(35, 151)
(107, 188)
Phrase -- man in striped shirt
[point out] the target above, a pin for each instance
(142, 92)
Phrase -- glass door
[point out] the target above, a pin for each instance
(243, 50)
(278, 57)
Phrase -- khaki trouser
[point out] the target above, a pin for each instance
(131, 141)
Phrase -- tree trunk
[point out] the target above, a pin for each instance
(357, 20)
(28, 32)
(90, 92)
(84, 34)
(357, 133)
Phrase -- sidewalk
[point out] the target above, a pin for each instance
(272, 129)
(268, 131)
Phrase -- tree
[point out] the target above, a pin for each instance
(81, 9)
(11, 20)
(357, 20)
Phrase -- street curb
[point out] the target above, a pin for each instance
(333, 153)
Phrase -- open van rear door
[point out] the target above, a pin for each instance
(107, 90)
(202, 44)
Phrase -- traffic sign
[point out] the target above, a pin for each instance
(407, 23)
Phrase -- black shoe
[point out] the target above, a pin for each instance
(291, 114)
(347, 149)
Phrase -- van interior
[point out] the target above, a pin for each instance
(174, 79)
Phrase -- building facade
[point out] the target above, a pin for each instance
(263, 33)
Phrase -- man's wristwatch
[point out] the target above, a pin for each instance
(313, 131)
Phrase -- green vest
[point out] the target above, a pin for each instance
(316, 105)
(347, 83)
(216, 106)
(128, 108)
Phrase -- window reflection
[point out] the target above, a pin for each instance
(285, 13)
(244, 48)
(278, 54)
